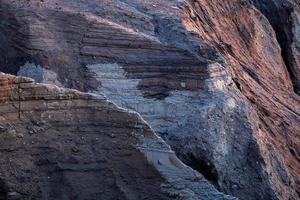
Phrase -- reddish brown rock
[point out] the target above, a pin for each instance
(249, 45)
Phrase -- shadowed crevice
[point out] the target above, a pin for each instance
(207, 169)
(3, 190)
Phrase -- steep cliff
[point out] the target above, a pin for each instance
(62, 144)
(249, 45)
(215, 79)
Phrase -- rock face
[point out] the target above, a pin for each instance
(63, 144)
(284, 16)
(215, 79)
(251, 50)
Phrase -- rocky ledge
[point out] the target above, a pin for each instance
(62, 144)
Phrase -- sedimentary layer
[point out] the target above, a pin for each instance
(62, 144)
(215, 79)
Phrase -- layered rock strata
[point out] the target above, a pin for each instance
(209, 77)
(62, 144)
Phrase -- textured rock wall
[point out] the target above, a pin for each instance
(251, 49)
(39, 74)
(295, 46)
(209, 77)
(284, 17)
(63, 144)
(207, 128)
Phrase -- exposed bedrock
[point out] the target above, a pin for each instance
(249, 45)
(208, 128)
(207, 76)
(284, 16)
(62, 144)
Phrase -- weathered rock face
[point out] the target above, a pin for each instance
(209, 77)
(251, 50)
(284, 16)
(62, 144)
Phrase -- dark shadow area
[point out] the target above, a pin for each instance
(203, 166)
(3, 190)
(12, 40)
(206, 168)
